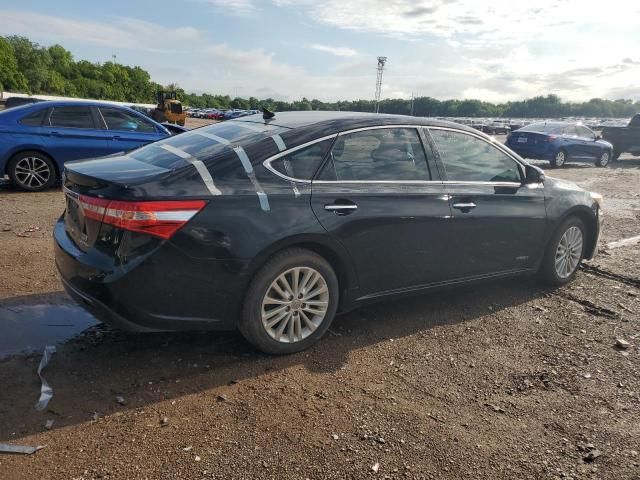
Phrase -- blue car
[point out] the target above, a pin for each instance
(37, 139)
(560, 142)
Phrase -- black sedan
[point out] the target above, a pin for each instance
(272, 225)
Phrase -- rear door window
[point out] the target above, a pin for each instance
(71, 117)
(34, 119)
(469, 159)
(116, 119)
(384, 154)
(303, 163)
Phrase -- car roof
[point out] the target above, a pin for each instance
(340, 121)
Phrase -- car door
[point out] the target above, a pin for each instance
(378, 195)
(128, 130)
(589, 147)
(498, 222)
(73, 133)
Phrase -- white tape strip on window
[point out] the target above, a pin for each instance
(202, 170)
(248, 168)
(279, 142)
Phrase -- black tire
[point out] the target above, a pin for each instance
(42, 165)
(250, 324)
(547, 272)
(604, 159)
(559, 161)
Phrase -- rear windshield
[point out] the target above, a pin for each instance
(544, 128)
(205, 144)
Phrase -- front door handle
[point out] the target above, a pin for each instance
(464, 206)
(342, 208)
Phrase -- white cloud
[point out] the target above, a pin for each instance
(337, 51)
(118, 32)
(233, 7)
(503, 58)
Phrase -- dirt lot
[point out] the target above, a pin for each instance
(504, 380)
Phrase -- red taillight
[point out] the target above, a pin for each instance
(162, 218)
(550, 138)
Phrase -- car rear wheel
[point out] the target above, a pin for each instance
(564, 252)
(290, 303)
(604, 159)
(559, 159)
(32, 171)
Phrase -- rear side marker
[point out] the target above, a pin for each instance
(205, 175)
(161, 219)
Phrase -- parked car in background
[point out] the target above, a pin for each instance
(36, 140)
(499, 128)
(624, 139)
(273, 226)
(560, 142)
(12, 102)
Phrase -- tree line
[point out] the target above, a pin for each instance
(27, 67)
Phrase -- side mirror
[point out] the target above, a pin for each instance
(597, 137)
(534, 175)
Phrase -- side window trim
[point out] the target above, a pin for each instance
(289, 151)
(496, 145)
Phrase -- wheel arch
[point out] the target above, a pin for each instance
(329, 249)
(39, 150)
(591, 223)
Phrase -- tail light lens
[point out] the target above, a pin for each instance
(550, 138)
(162, 219)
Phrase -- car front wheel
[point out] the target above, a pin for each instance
(32, 171)
(564, 252)
(290, 303)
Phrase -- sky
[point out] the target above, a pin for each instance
(288, 49)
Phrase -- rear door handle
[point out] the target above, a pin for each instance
(466, 206)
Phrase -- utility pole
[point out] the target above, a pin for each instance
(381, 63)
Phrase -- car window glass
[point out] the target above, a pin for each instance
(469, 159)
(303, 163)
(71, 117)
(584, 132)
(210, 143)
(570, 131)
(385, 154)
(34, 119)
(121, 120)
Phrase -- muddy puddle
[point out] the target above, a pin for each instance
(29, 328)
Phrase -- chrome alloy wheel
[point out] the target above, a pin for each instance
(569, 252)
(560, 158)
(32, 172)
(295, 304)
(604, 159)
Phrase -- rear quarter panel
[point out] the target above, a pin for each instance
(15, 138)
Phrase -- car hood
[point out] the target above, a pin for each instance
(560, 184)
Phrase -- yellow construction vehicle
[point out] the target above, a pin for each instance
(168, 109)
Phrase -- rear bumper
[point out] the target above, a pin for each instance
(160, 293)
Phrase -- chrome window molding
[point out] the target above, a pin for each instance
(267, 163)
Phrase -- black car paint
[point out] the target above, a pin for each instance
(400, 241)
(624, 139)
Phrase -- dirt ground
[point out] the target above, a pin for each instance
(504, 380)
